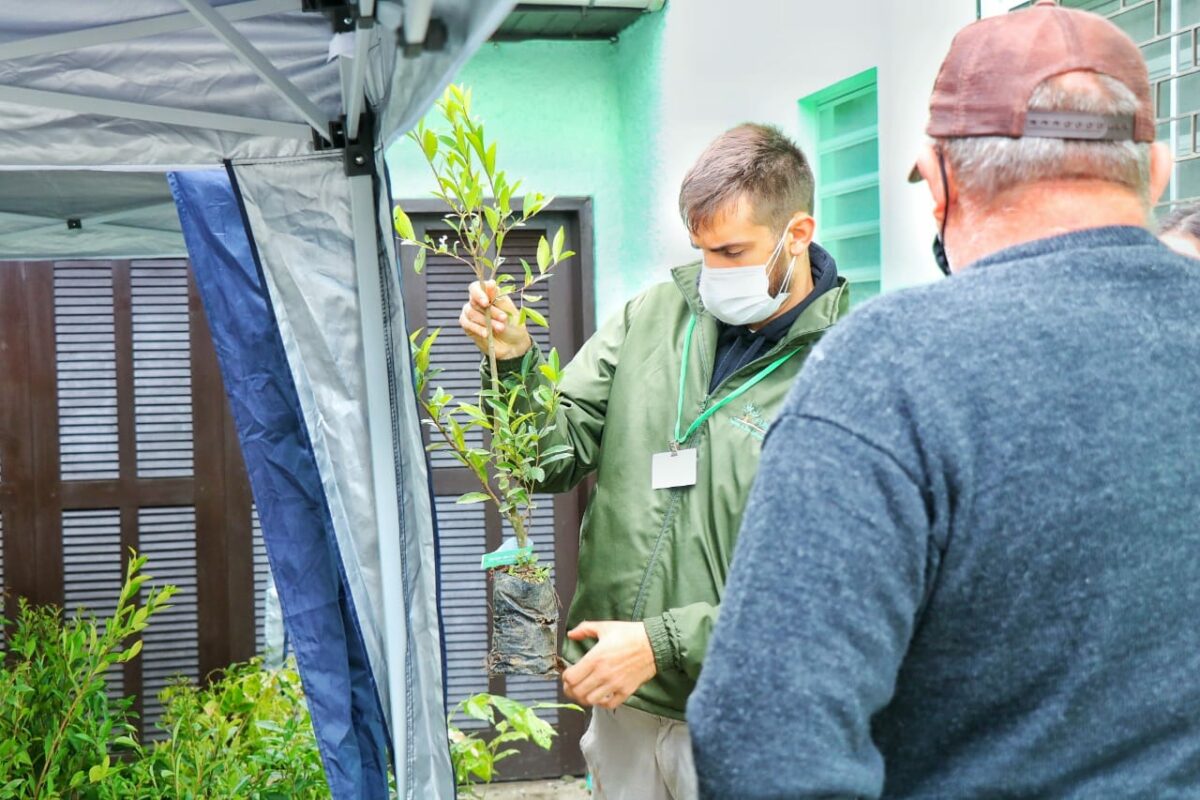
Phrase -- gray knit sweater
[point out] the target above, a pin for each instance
(970, 566)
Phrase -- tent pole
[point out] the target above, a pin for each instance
(81, 104)
(248, 54)
(353, 100)
(383, 467)
(125, 31)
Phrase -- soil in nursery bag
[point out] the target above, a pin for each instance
(524, 627)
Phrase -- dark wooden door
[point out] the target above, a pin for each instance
(434, 300)
(115, 434)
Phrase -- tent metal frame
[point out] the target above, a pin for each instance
(123, 109)
(127, 31)
(250, 55)
(219, 21)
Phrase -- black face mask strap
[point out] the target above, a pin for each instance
(939, 241)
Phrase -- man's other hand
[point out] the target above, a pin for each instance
(620, 662)
(511, 340)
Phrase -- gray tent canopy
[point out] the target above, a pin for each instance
(273, 114)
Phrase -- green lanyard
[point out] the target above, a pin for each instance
(741, 390)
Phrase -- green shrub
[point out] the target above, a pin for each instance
(245, 735)
(60, 733)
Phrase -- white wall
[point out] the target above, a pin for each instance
(726, 62)
(622, 123)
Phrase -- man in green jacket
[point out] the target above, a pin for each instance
(668, 405)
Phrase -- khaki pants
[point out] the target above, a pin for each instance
(633, 755)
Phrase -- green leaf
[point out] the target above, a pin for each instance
(559, 240)
(100, 771)
(475, 413)
(543, 255)
(489, 159)
(472, 497)
(536, 316)
(132, 651)
(477, 143)
(404, 226)
(493, 217)
(419, 261)
(429, 143)
(479, 707)
(529, 205)
(528, 272)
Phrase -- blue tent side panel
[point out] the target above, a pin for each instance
(296, 522)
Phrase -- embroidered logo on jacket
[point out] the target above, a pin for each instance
(752, 421)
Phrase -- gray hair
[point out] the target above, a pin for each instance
(987, 166)
(756, 162)
(1183, 219)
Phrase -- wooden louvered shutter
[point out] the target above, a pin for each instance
(434, 300)
(262, 582)
(115, 434)
(164, 444)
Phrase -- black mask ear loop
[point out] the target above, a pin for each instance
(939, 241)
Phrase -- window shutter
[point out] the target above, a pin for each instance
(167, 537)
(91, 544)
(87, 370)
(464, 600)
(456, 355)
(262, 579)
(127, 338)
(162, 374)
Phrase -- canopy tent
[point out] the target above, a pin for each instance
(270, 118)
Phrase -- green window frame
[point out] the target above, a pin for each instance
(842, 127)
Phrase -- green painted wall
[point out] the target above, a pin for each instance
(569, 119)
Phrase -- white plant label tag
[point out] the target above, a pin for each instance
(673, 469)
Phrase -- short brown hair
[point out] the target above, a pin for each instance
(754, 161)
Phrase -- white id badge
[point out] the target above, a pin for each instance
(673, 469)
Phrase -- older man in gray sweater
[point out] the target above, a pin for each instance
(980, 577)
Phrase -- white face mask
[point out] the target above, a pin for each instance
(742, 295)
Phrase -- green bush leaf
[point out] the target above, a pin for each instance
(404, 226)
(559, 241)
(536, 316)
(493, 217)
(472, 497)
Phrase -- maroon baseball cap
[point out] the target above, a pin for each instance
(994, 65)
